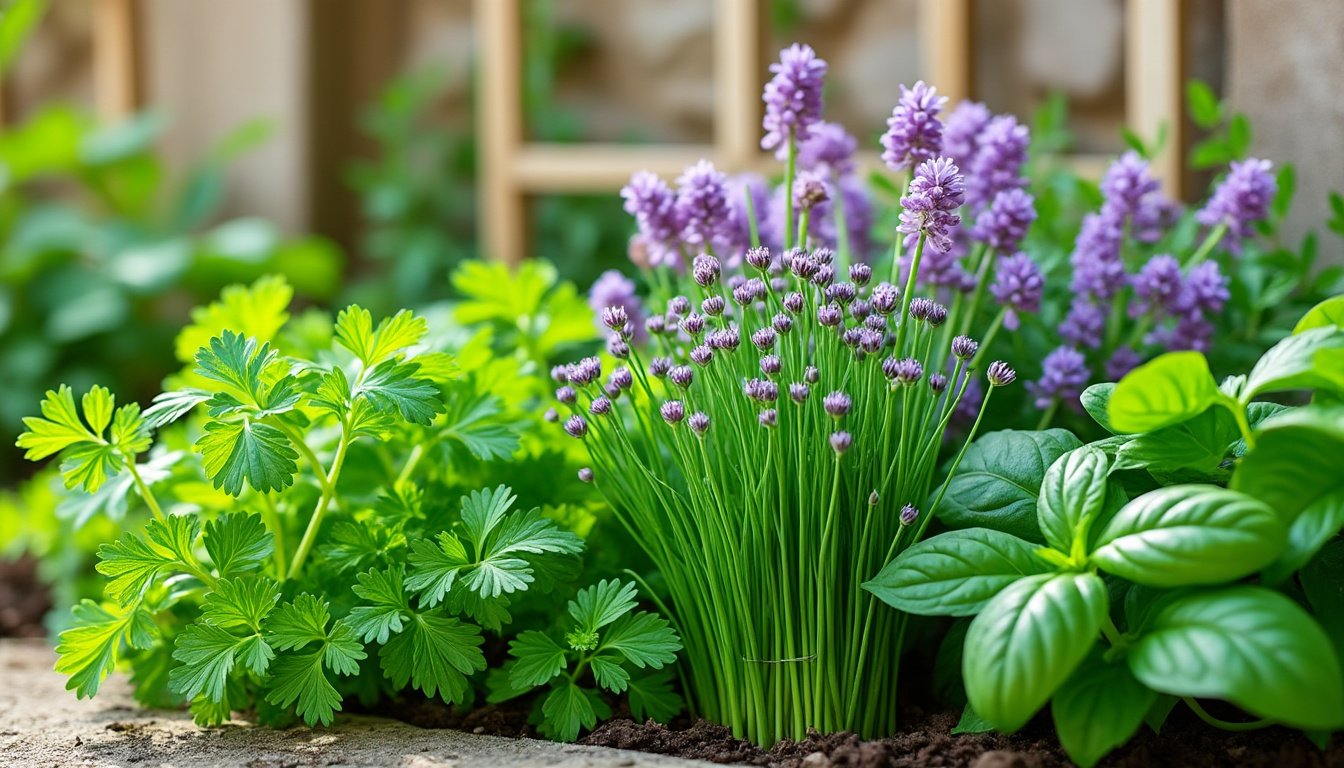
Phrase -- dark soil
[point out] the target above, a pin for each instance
(928, 741)
(24, 599)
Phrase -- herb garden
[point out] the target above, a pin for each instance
(838, 452)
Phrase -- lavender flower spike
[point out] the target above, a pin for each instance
(937, 189)
(702, 205)
(1005, 222)
(654, 205)
(614, 290)
(828, 149)
(792, 97)
(1018, 285)
(1242, 199)
(962, 131)
(1064, 375)
(998, 164)
(914, 133)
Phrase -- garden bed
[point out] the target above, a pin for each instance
(42, 724)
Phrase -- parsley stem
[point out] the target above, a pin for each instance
(323, 503)
(272, 518)
(1252, 725)
(145, 493)
(308, 455)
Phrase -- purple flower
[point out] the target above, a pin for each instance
(699, 422)
(920, 309)
(1157, 286)
(811, 374)
(860, 274)
(1122, 361)
(1134, 196)
(713, 306)
(937, 315)
(840, 442)
(702, 354)
(586, 475)
(827, 148)
(694, 324)
(551, 415)
(936, 191)
(1098, 270)
(782, 323)
(600, 406)
(1000, 374)
(770, 365)
(672, 411)
(1241, 199)
(1085, 323)
(1191, 331)
(964, 347)
(841, 293)
(705, 269)
(576, 427)
(682, 376)
(761, 390)
(875, 322)
(998, 161)
(886, 298)
(654, 205)
(614, 291)
(798, 392)
(566, 395)
(727, 339)
(764, 338)
(615, 318)
(622, 378)
(937, 383)
(659, 366)
(741, 187)
(1204, 289)
(617, 347)
(1004, 223)
(809, 191)
(1018, 285)
(914, 133)
(768, 418)
(962, 131)
(909, 514)
(907, 370)
(1064, 374)
(792, 97)
(837, 404)
(793, 302)
(830, 315)
(702, 205)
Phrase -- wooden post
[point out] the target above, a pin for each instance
(500, 128)
(738, 79)
(945, 47)
(116, 80)
(1154, 83)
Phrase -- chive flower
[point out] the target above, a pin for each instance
(576, 427)
(672, 411)
(699, 422)
(936, 190)
(964, 347)
(840, 442)
(909, 514)
(586, 474)
(1000, 374)
(837, 404)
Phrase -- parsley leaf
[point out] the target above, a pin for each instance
(539, 659)
(242, 602)
(247, 450)
(388, 608)
(651, 696)
(208, 654)
(258, 311)
(392, 387)
(88, 651)
(301, 677)
(88, 457)
(436, 654)
(601, 604)
(131, 562)
(237, 543)
(644, 639)
(473, 421)
(569, 708)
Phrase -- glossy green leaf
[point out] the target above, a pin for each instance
(1327, 314)
(955, 573)
(1096, 401)
(1198, 445)
(1098, 709)
(1028, 641)
(998, 482)
(1167, 390)
(1301, 361)
(1190, 534)
(1248, 645)
(1073, 494)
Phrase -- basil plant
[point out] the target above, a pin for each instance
(1193, 555)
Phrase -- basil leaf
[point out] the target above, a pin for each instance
(1190, 534)
(1098, 709)
(1166, 390)
(998, 481)
(1248, 645)
(1200, 444)
(1027, 642)
(1096, 399)
(971, 722)
(1301, 361)
(956, 573)
(1073, 493)
(1327, 314)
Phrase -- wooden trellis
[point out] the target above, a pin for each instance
(513, 168)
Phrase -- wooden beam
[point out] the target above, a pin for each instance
(500, 128)
(945, 47)
(116, 76)
(1154, 82)
(737, 83)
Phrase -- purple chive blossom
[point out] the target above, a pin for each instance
(586, 475)
(875, 323)
(914, 133)
(964, 347)
(860, 309)
(904, 371)
(713, 306)
(560, 374)
(886, 298)
(759, 258)
(840, 442)
(830, 315)
(1098, 270)
(937, 315)
(679, 305)
(616, 292)
(613, 391)
(937, 383)
(1000, 374)
(699, 422)
(793, 302)
(1157, 286)
(727, 339)
(654, 205)
(1064, 374)
(693, 325)
(1204, 289)
(800, 265)
(761, 390)
(702, 203)
(1085, 323)
(705, 269)
(809, 191)
(576, 427)
(770, 365)
(1005, 222)
(798, 392)
(841, 293)
(768, 418)
(828, 149)
(811, 374)
(600, 406)
(1122, 361)
(1241, 199)
(824, 275)
(837, 404)
(782, 323)
(764, 338)
(701, 355)
(659, 366)
(1018, 285)
(672, 411)
(909, 514)
(585, 372)
(962, 131)
(860, 274)
(566, 395)
(617, 347)
(551, 416)
(682, 376)
(998, 161)
(936, 191)
(792, 97)
(920, 309)
(656, 325)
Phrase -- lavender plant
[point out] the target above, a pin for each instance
(777, 438)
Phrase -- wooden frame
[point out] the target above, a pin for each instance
(512, 168)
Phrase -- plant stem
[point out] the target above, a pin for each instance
(904, 327)
(143, 488)
(1048, 416)
(272, 518)
(1253, 725)
(297, 440)
(323, 504)
(790, 164)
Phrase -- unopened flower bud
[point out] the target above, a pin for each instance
(909, 514)
(586, 475)
(1000, 374)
